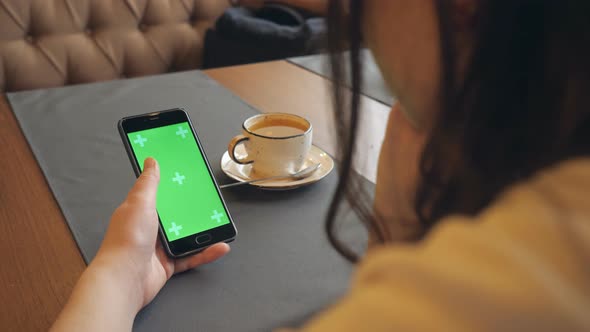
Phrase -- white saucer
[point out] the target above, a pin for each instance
(242, 173)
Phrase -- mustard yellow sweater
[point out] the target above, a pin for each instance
(523, 264)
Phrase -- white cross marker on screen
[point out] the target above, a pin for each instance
(182, 132)
(217, 216)
(178, 178)
(175, 229)
(140, 140)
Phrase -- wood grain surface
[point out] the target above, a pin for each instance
(40, 260)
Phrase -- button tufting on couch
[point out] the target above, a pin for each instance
(48, 43)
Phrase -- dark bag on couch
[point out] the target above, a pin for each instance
(273, 32)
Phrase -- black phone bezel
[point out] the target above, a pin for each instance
(187, 245)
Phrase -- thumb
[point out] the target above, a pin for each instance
(145, 188)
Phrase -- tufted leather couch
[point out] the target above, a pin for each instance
(48, 43)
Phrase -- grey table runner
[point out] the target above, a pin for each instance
(374, 86)
(281, 268)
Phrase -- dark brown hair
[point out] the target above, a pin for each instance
(523, 104)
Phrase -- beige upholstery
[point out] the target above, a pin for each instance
(47, 43)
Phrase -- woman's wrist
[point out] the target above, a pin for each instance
(104, 299)
(119, 273)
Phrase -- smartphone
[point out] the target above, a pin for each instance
(191, 209)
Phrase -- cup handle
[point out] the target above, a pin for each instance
(231, 149)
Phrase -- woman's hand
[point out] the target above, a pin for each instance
(131, 241)
(130, 267)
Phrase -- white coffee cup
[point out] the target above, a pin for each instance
(275, 143)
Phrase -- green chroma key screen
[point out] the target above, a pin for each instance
(187, 201)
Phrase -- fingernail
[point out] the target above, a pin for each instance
(149, 163)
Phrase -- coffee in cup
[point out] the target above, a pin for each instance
(275, 144)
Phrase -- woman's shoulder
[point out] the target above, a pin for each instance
(522, 264)
(542, 224)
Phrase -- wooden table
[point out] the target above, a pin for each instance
(40, 259)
